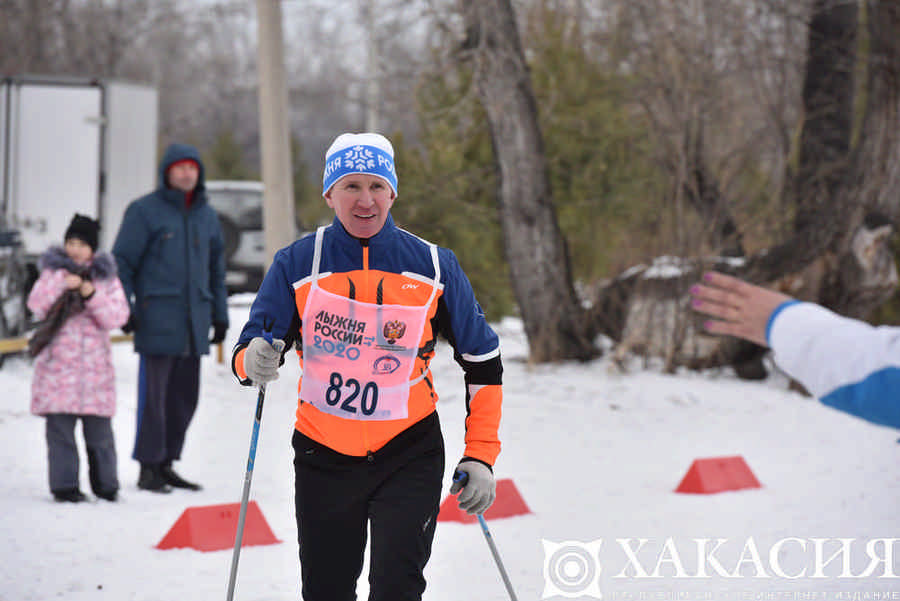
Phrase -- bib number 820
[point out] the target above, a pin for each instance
(367, 392)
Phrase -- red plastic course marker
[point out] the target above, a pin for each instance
(213, 527)
(507, 504)
(718, 474)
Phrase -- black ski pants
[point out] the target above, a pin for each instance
(168, 390)
(395, 490)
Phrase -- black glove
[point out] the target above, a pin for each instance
(219, 329)
(130, 325)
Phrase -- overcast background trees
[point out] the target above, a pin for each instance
(687, 129)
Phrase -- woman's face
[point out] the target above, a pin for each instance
(79, 251)
(361, 203)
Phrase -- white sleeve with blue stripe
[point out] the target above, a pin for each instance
(849, 364)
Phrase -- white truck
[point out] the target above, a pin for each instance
(67, 145)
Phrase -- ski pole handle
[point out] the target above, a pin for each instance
(461, 477)
(267, 336)
(267, 329)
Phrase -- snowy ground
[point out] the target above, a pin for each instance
(595, 453)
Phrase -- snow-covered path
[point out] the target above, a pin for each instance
(595, 453)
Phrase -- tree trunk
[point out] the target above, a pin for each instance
(828, 92)
(878, 155)
(822, 215)
(536, 251)
(846, 198)
(864, 280)
(702, 191)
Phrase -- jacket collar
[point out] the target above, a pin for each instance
(101, 267)
(177, 197)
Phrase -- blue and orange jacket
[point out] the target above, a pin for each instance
(392, 267)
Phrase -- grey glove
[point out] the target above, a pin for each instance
(261, 360)
(479, 490)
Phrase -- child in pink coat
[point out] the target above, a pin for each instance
(80, 299)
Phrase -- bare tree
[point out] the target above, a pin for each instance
(873, 178)
(536, 251)
(878, 156)
(840, 187)
(843, 196)
(718, 80)
(821, 213)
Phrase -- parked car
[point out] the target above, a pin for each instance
(239, 205)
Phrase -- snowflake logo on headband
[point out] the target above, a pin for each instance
(359, 158)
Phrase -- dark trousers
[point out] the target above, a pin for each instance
(395, 490)
(168, 389)
(62, 452)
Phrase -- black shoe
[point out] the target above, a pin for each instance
(152, 479)
(108, 495)
(177, 481)
(69, 495)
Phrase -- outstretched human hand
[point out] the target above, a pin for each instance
(741, 309)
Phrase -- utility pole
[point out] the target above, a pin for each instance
(278, 201)
(373, 90)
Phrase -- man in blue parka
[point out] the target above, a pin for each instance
(170, 254)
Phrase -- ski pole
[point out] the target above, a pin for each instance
(462, 478)
(247, 477)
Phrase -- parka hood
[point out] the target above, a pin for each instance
(179, 152)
